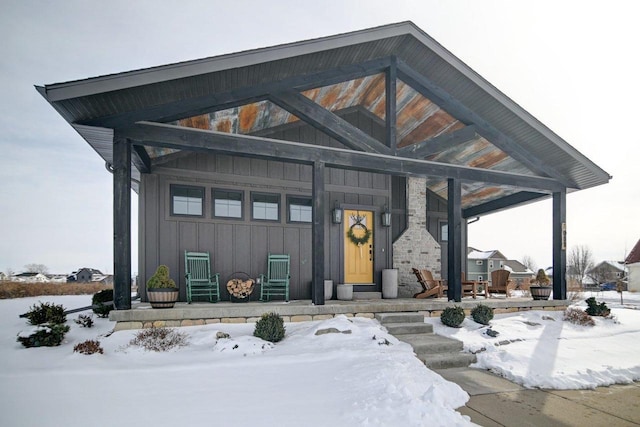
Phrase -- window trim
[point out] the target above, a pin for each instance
(174, 187)
(254, 194)
(213, 204)
(290, 198)
(479, 262)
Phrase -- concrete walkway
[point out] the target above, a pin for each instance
(498, 402)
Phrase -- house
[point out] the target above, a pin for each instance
(607, 272)
(85, 275)
(520, 273)
(30, 277)
(3, 276)
(633, 267)
(480, 264)
(353, 153)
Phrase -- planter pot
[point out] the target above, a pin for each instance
(345, 292)
(540, 292)
(162, 297)
(328, 289)
(390, 283)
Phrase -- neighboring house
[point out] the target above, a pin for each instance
(520, 273)
(57, 278)
(85, 275)
(480, 264)
(633, 267)
(607, 272)
(3, 276)
(252, 153)
(30, 277)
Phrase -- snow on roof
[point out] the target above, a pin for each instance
(480, 254)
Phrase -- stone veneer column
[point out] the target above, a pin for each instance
(415, 247)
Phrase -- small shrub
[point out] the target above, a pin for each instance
(99, 298)
(88, 347)
(597, 309)
(270, 327)
(159, 339)
(46, 313)
(47, 335)
(84, 320)
(452, 316)
(161, 279)
(578, 317)
(482, 314)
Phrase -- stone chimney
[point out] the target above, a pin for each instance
(415, 247)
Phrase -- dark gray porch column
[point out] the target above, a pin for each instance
(454, 249)
(121, 224)
(560, 245)
(317, 235)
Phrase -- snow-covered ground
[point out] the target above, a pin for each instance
(337, 379)
(539, 349)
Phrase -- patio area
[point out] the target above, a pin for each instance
(142, 315)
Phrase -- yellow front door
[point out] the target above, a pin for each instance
(358, 246)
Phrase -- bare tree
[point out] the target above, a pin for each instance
(580, 261)
(528, 262)
(10, 272)
(36, 268)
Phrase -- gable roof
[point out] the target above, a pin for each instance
(440, 100)
(494, 254)
(634, 255)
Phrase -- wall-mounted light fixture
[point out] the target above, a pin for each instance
(336, 214)
(386, 217)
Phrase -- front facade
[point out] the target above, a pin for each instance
(633, 267)
(480, 264)
(253, 153)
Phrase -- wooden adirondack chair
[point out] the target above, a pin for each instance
(500, 283)
(430, 286)
(276, 282)
(200, 281)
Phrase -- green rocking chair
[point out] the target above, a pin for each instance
(276, 282)
(200, 281)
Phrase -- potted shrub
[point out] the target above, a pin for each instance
(540, 287)
(161, 289)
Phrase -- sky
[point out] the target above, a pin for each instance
(572, 64)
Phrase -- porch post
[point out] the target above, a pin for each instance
(559, 245)
(121, 223)
(317, 234)
(454, 249)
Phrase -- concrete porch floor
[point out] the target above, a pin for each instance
(142, 315)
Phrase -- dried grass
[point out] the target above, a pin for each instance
(10, 290)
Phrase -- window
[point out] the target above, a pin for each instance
(186, 200)
(300, 209)
(490, 264)
(227, 203)
(265, 206)
(480, 279)
(444, 232)
(478, 262)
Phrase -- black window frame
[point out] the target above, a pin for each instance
(227, 190)
(276, 196)
(296, 198)
(177, 187)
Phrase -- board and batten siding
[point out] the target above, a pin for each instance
(241, 246)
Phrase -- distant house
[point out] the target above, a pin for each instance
(633, 267)
(30, 277)
(480, 264)
(3, 276)
(85, 275)
(607, 271)
(519, 272)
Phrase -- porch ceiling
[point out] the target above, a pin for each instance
(444, 111)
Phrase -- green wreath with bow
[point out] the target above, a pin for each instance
(355, 239)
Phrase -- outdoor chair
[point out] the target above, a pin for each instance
(200, 281)
(276, 282)
(500, 283)
(430, 286)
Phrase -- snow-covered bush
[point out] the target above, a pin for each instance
(482, 314)
(578, 317)
(46, 313)
(270, 327)
(159, 339)
(88, 347)
(99, 298)
(597, 309)
(47, 335)
(452, 316)
(84, 320)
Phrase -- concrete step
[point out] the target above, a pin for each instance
(359, 296)
(386, 318)
(431, 344)
(447, 360)
(397, 329)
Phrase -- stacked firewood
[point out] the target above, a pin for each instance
(240, 288)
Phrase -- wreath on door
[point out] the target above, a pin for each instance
(357, 222)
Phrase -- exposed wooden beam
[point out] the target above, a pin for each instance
(121, 223)
(190, 107)
(458, 110)
(327, 122)
(440, 142)
(502, 203)
(141, 159)
(454, 245)
(183, 138)
(390, 105)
